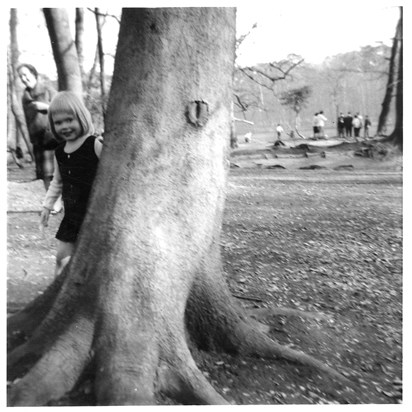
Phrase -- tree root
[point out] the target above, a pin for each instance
(58, 369)
(264, 312)
(49, 323)
(187, 385)
(225, 326)
(263, 346)
(136, 358)
(29, 318)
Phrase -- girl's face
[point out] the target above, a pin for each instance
(27, 77)
(67, 126)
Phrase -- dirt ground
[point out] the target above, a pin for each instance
(320, 240)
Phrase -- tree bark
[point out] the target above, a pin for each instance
(390, 87)
(101, 56)
(64, 50)
(145, 282)
(160, 192)
(16, 117)
(17, 130)
(397, 135)
(78, 39)
(13, 58)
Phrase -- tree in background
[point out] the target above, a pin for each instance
(250, 83)
(79, 40)
(69, 64)
(397, 135)
(17, 132)
(394, 86)
(145, 285)
(100, 53)
(296, 99)
(64, 50)
(352, 81)
(392, 81)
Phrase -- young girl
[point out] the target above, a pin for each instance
(75, 161)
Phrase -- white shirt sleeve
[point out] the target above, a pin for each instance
(55, 188)
(98, 146)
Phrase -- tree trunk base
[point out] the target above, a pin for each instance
(137, 366)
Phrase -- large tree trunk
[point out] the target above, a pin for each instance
(64, 50)
(397, 135)
(390, 87)
(145, 281)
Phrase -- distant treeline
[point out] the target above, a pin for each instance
(354, 82)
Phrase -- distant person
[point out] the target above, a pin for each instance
(315, 126)
(357, 126)
(348, 124)
(366, 126)
(36, 99)
(321, 121)
(76, 160)
(248, 137)
(279, 131)
(341, 125)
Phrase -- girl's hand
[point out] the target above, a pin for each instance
(44, 219)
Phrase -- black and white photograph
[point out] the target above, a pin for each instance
(205, 204)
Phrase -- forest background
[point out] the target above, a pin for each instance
(351, 80)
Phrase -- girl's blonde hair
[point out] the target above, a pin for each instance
(69, 102)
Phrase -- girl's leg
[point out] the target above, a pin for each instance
(64, 253)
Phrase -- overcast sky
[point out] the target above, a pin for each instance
(313, 29)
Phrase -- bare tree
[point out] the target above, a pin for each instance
(98, 17)
(396, 136)
(296, 99)
(390, 87)
(267, 75)
(78, 39)
(261, 76)
(64, 50)
(16, 121)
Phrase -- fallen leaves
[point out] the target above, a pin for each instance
(315, 243)
(323, 246)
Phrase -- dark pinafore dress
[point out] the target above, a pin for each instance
(77, 171)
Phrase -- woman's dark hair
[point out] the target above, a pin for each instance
(30, 67)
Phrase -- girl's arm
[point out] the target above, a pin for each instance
(98, 146)
(55, 188)
(53, 193)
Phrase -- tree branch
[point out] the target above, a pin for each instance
(99, 14)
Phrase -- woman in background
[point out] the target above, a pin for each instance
(36, 99)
